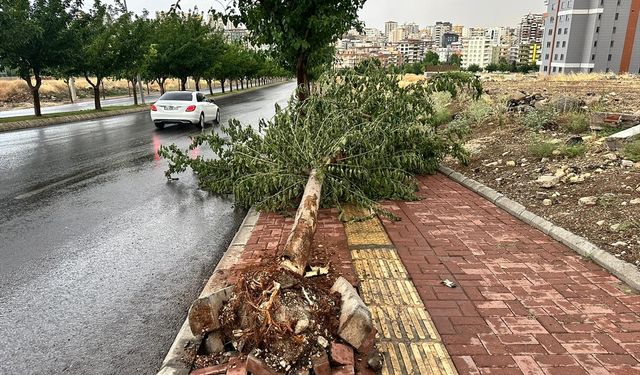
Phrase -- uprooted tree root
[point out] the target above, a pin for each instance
(286, 317)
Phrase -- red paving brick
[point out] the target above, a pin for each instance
(525, 304)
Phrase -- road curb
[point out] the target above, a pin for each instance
(626, 272)
(173, 363)
(38, 123)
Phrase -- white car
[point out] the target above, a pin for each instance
(184, 107)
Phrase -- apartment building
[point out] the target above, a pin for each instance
(412, 50)
(389, 26)
(591, 36)
(479, 50)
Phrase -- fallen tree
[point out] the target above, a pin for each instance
(360, 137)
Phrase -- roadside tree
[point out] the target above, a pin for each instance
(299, 33)
(35, 38)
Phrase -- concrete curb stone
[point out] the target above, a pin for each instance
(173, 363)
(625, 271)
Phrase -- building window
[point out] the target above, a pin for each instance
(564, 43)
(548, 44)
(566, 31)
(560, 70)
(599, 16)
(550, 31)
(595, 44)
(593, 57)
(617, 15)
(612, 43)
(558, 44)
(597, 29)
(555, 57)
(555, 69)
(590, 70)
(546, 68)
(609, 59)
(614, 29)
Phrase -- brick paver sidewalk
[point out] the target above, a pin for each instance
(524, 302)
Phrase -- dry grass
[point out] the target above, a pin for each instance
(16, 91)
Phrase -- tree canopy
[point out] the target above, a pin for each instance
(300, 33)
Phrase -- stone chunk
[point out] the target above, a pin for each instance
(213, 344)
(321, 365)
(342, 354)
(588, 201)
(237, 366)
(344, 370)
(204, 312)
(211, 370)
(548, 182)
(256, 366)
(355, 317)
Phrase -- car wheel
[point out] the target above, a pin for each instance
(217, 120)
(159, 125)
(201, 123)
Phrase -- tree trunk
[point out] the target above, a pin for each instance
(183, 84)
(148, 89)
(303, 80)
(222, 85)
(241, 84)
(230, 85)
(161, 82)
(237, 87)
(135, 91)
(297, 250)
(197, 81)
(35, 91)
(210, 87)
(36, 101)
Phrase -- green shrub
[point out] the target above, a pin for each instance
(478, 111)
(632, 151)
(543, 118)
(573, 151)
(578, 123)
(542, 149)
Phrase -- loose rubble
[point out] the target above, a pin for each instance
(277, 322)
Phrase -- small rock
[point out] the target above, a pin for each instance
(301, 326)
(547, 202)
(492, 164)
(610, 156)
(355, 317)
(323, 342)
(511, 163)
(619, 244)
(627, 164)
(204, 312)
(342, 354)
(599, 170)
(561, 172)
(556, 152)
(548, 182)
(615, 227)
(600, 223)
(541, 195)
(375, 361)
(588, 201)
(213, 343)
(635, 201)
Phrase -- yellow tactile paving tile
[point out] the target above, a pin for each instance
(408, 337)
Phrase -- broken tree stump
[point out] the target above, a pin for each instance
(297, 250)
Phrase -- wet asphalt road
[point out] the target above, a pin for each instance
(100, 256)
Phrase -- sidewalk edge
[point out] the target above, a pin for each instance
(626, 272)
(173, 363)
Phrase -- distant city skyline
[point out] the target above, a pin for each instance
(472, 13)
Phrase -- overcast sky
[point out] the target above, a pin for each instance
(422, 12)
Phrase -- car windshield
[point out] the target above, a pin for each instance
(182, 96)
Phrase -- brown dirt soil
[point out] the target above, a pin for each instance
(613, 223)
(262, 316)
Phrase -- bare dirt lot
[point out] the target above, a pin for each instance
(552, 156)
